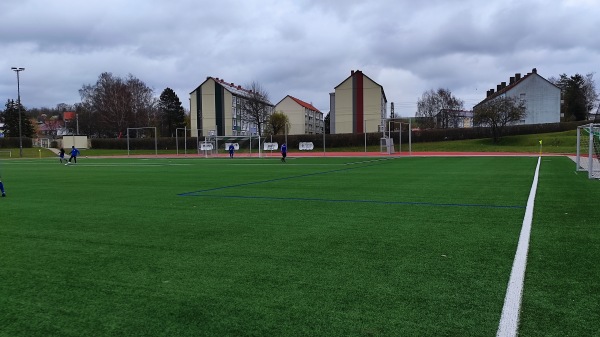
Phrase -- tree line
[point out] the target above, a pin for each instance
(107, 108)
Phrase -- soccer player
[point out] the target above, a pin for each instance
(2, 188)
(61, 155)
(74, 154)
(283, 152)
(231, 150)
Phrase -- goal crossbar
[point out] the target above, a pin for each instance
(142, 128)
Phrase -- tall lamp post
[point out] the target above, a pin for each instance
(18, 70)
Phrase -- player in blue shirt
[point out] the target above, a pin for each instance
(2, 188)
(231, 150)
(61, 155)
(74, 154)
(283, 152)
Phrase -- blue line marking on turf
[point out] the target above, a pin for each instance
(382, 202)
(278, 179)
(202, 193)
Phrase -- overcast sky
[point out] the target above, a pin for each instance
(303, 48)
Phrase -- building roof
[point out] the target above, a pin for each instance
(352, 72)
(503, 88)
(231, 87)
(302, 103)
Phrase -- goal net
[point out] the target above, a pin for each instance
(244, 146)
(142, 140)
(588, 150)
(387, 145)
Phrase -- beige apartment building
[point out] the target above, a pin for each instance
(216, 109)
(304, 117)
(358, 105)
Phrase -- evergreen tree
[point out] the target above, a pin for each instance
(11, 121)
(172, 114)
(579, 95)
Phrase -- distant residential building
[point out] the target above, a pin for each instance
(304, 117)
(358, 105)
(51, 128)
(216, 106)
(542, 98)
(448, 118)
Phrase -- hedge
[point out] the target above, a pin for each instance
(331, 141)
(13, 142)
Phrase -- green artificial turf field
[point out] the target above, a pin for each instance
(312, 247)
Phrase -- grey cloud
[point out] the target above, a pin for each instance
(299, 47)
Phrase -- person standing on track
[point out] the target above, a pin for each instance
(283, 152)
(231, 150)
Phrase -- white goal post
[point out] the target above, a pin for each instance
(142, 128)
(588, 150)
(248, 146)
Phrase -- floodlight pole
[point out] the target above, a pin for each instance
(18, 70)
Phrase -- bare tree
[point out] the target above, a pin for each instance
(143, 102)
(256, 108)
(433, 103)
(114, 104)
(499, 112)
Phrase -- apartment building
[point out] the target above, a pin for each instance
(542, 98)
(358, 105)
(304, 117)
(216, 109)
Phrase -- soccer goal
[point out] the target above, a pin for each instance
(244, 146)
(136, 138)
(588, 150)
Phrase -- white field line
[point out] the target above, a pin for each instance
(509, 321)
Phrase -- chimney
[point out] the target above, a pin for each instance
(503, 84)
(534, 70)
(488, 93)
(351, 72)
(517, 77)
(491, 92)
(512, 80)
(499, 87)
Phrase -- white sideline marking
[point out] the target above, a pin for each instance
(509, 321)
